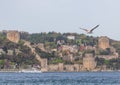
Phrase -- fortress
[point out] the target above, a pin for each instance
(89, 62)
(13, 36)
(103, 42)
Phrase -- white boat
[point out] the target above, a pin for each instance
(30, 71)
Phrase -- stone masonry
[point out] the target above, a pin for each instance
(13, 36)
(89, 62)
(103, 42)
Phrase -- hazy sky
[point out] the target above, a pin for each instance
(36, 16)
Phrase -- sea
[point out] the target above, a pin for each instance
(60, 78)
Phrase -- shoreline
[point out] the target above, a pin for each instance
(32, 71)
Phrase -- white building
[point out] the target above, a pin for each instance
(71, 37)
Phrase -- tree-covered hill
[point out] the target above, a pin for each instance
(51, 38)
(14, 53)
(52, 42)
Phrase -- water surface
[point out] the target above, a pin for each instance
(73, 78)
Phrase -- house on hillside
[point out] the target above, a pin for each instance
(71, 37)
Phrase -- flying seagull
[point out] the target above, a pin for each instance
(89, 31)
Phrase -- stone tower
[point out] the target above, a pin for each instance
(13, 36)
(89, 62)
(103, 42)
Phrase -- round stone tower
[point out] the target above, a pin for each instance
(89, 62)
(13, 36)
(103, 42)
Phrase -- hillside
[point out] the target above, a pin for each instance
(15, 54)
(66, 48)
(53, 41)
(51, 38)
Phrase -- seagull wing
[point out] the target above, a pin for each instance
(84, 29)
(94, 28)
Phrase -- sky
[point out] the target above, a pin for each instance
(35, 16)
